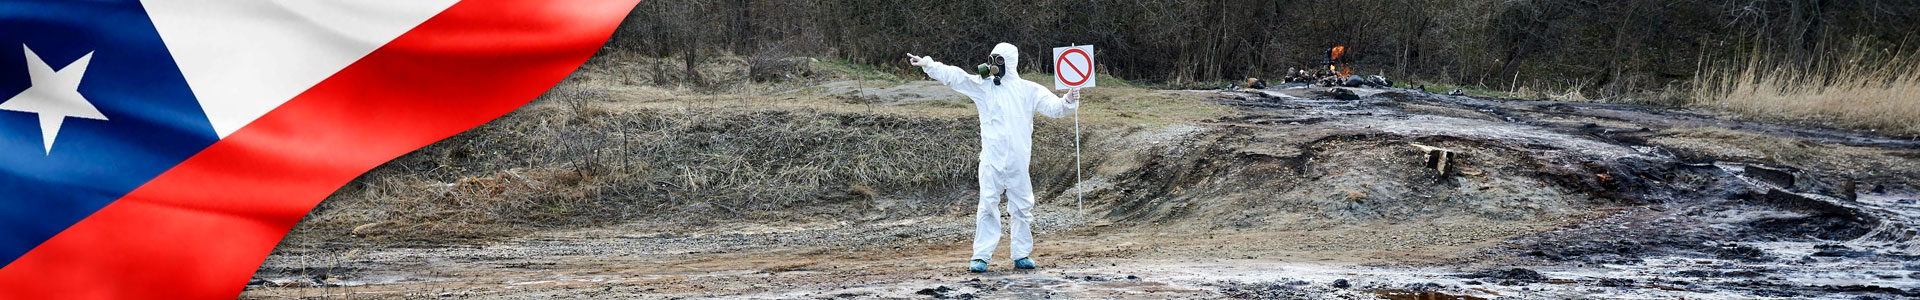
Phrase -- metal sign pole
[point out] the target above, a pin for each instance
(1078, 197)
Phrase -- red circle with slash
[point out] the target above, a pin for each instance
(1062, 61)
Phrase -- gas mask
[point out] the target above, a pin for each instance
(993, 70)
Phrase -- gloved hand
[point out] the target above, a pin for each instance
(919, 61)
(1073, 96)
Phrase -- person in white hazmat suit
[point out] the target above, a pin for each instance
(1006, 103)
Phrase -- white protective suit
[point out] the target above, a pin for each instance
(1006, 144)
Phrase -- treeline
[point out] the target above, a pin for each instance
(1603, 48)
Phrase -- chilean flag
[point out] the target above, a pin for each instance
(160, 149)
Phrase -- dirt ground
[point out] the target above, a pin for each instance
(1282, 193)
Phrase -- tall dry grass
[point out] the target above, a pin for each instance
(1860, 88)
(604, 148)
(572, 160)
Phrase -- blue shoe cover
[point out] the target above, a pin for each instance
(1023, 263)
(977, 266)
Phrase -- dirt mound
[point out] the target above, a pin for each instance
(1226, 179)
(546, 166)
(1294, 162)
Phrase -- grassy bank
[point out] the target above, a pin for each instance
(551, 165)
(1860, 88)
(608, 148)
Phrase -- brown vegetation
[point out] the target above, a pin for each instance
(605, 148)
(1618, 50)
(1865, 88)
(544, 166)
(1661, 52)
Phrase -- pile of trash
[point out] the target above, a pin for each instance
(1332, 72)
(1372, 81)
(1328, 80)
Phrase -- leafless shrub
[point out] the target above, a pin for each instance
(771, 63)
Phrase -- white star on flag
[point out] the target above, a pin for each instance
(55, 95)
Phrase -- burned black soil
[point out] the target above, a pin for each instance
(1748, 201)
(1767, 209)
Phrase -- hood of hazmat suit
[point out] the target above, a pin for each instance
(1006, 109)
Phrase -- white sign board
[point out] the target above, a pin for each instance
(1073, 67)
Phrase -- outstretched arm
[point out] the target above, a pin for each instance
(1055, 107)
(958, 79)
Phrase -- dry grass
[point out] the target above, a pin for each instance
(1724, 144)
(1866, 164)
(1130, 105)
(603, 148)
(1863, 89)
(544, 166)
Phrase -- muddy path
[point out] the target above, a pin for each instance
(1297, 195)
(901, 259)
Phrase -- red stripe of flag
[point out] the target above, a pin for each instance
(199, 230)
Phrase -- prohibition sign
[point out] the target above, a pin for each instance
(1062, 65)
